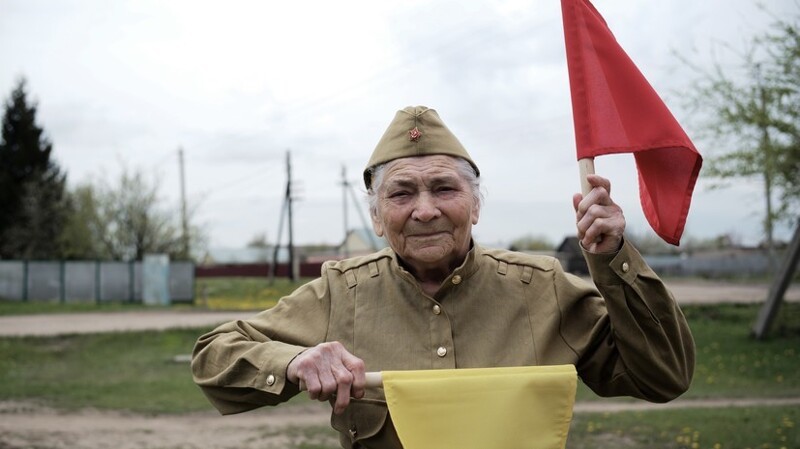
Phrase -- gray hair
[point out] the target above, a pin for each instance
(462, 166)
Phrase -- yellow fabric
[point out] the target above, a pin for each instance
(483, 408)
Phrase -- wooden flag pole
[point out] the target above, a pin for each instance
(374, 380)
(586, 167)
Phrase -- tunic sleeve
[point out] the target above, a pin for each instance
(241, 365)
(634, 340)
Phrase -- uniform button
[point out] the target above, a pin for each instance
(442, 351)
(270, 380)
(436, 309)
(625, 267)
(353, 431)
(456, 279)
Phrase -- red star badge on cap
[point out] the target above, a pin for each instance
(414, 134)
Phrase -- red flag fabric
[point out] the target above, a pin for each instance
(615, 110)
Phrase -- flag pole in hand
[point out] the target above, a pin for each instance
(615, 110)
(586, 167)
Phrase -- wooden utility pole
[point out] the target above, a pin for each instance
(292, 274)
(778, 289)
(345, 185)
(184, 218)
(286, 212)
(366, 224)
(273, 266)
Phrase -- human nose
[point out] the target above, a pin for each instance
(425, 208)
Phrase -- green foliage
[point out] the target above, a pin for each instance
(79, 236)
(32, 203)
(132, 222)
(752, 114)
(124, 220)
(532, 242)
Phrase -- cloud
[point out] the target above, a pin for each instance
(239, 84)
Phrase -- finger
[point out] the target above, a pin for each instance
(599, 195)
(313, 386)
(594, 233)
(328, 385)
(599, 181)
(343, 393)
(576, 200)
(592, 213)
(606, 229)
(358, 371)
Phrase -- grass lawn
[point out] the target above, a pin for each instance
(134, 371)
(730, 428)
(244, 293)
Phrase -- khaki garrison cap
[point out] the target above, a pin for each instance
(415, 131)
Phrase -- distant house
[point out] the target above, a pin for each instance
(357, 242)
(223, 256)
(361, 241)
(571, 257)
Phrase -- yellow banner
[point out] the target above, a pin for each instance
(484, 408)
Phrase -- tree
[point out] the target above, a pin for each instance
(258, 241)
(32, 207)
(752, 111)
(124, 220)
(532, 242)
(80, 237)
(131, 221)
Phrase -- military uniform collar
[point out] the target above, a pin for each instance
(460, 274)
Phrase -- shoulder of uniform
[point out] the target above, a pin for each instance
(537, 261)
(358, 261)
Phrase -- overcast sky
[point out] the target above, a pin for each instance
(238, 83)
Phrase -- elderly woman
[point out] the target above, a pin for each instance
(436, 299)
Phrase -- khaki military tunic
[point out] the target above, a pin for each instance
(626, 336)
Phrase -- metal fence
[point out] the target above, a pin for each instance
(87, 281)
(716, 265)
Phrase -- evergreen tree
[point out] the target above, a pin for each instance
(32, 207)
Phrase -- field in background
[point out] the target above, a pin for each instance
(138, 372)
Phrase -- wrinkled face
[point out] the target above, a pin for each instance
(426, 210)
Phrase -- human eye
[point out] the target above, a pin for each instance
(396, 194)
(446, 188)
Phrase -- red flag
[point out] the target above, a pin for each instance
(615, 110)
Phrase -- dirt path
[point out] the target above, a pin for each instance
(93, 322)
(27, 425)
(685, 291)
(696, 291)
